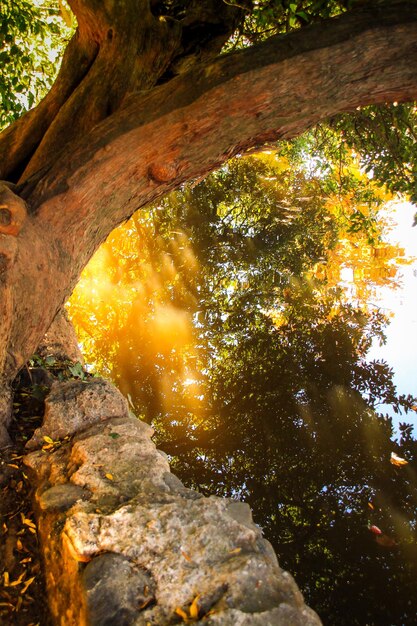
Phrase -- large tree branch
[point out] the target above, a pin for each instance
(115, 51)
(189, 126)
(131, 49)
(276, 89)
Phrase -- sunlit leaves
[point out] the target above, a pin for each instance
(385, 138)
(265, 239)
(135, 291)
(193, 611)
(51, 444)
(31, 43)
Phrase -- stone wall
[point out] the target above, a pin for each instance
(125, 542)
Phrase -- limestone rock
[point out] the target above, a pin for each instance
(110, 604)
(126, 543)
(75, 405)
(62, 497)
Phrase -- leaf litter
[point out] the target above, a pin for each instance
(22, 587)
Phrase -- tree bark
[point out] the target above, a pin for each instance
(156, 139)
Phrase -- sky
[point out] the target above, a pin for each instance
(400, 351)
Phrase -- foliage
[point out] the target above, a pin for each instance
(231, 246)
(269, 17)
(220, 311)
(385, 138)
(32, 37)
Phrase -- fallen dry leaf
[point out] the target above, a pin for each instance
(186, 556)
(27, 583)
(181, 613)
(194, 608)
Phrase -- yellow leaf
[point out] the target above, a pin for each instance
(65, 14)
(18, 581)
(235, 551)
(27, 583)
(181, 613)
(194, 607)
(48, 439)
(6, 579)
(109, 476)
(186, 556)
(28, 522)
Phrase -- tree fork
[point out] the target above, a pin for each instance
(131, 54)
(184, 128)
(112, 54)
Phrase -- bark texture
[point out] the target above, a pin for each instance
(60, 341)
(121, 139)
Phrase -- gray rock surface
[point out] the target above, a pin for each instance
(75, 405)
(125, 542)
(110, 604)
(62, 497)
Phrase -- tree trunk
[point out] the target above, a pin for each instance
(87, 175)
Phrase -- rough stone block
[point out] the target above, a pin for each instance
(115, 589)
(75, 405)
(125, 542)
(62, 497)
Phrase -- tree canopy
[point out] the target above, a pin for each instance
(220, 312)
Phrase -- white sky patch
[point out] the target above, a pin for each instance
(400, 351)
